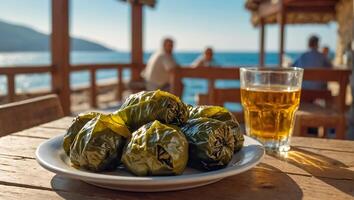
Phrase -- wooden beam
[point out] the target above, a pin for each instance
(120, 86)
(81, 67)
(93, 88)
(11, 88)
(230, 72)
(211, 88)
(305, 3)
(60, 48)
(267, 9)
(262, 42)
(311, 9)
(136, 39)
(25, 69)
(282, 21)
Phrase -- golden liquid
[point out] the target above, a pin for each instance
(269, 111)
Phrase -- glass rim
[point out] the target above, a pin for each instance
(272, 70)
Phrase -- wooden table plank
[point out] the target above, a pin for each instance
(17, 172)
(19, 146)
(264, 181)
(299, 161)
(62, 123)
(40, 132)
(26, 147)
(323, 143)
(314, 169)
(15, 192)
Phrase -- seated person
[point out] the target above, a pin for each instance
(309, 59)
(205, 60)
(313, 58)
(158, 68)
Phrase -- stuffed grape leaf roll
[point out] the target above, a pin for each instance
(75, 127)
(156, 149)
(222, 114)
(99, 144)
(147, 106)
(211, 143)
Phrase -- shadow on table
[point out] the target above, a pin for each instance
(262, 182)
(328, 170)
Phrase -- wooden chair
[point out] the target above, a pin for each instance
(28, 113)
(330, 115)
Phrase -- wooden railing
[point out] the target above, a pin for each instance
(11, 72)
(209, 73)
(92, 68)
(341, 76)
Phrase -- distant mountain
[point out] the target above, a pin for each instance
(21, 38)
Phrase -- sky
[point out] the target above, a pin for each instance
(223, 24)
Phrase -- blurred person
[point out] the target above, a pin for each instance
(325, 52)
(206, 59)
(159, 67)
(313, 58)
(309, 59)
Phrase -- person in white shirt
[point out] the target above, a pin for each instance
(158, 68)
(206, 59)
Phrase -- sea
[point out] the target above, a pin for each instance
(25, 83)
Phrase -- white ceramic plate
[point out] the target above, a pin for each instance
(52, 157)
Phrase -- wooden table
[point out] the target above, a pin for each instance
(313, 169)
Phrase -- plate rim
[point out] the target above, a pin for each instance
(151, 180)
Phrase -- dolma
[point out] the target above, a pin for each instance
(156, 149)
(147, 106)
(211, 143)
(75, 127)
(99, 144)
(222, 114)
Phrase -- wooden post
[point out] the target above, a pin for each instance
(93, 87)
(211, 90)
(261, 47)
(281, 21)
(120, 84)
(11, 91)
(60, 48)
(136, 39)
(176, 86)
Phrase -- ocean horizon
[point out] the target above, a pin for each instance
(8, 59)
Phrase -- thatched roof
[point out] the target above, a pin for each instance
(150, 3)
(297, 11)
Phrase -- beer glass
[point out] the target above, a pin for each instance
(270, 98)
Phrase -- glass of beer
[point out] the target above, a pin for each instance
(270, 98)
